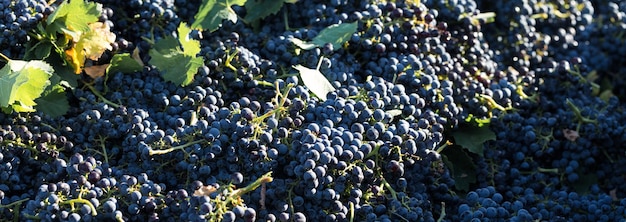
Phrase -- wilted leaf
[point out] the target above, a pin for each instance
(96, 71)
(570, 135)
(315, 81)
(90, 45)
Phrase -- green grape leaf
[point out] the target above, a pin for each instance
(168, 57)
(124, 63)
(315, 81)
(472, 138)
(269, 7)
(336, 34)
(21, 82)
(461, 166)
(213, 12)
(53, 101)
(74, 16)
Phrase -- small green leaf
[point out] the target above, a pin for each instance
(213, 12)
(461, 166)
(472, 138)
(269, 7)
(124, 63)
(177, 65)
(53, 101)
(336, 34)
(315, 81)
(21, 82)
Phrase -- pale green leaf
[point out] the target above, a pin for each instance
(315, 81)
(191, 47)
(22, 82)
(394, 112)
(124, 63)
(213, 12)
(269, 7)
(303, 44)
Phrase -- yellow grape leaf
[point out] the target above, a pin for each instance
(75, 58)
(90, 45)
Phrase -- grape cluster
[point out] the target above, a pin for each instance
(17, 19)
(247, 141)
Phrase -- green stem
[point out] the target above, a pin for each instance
(547, 170)
(266, 178)
(351, 212)
(443, 212)
(578, 113)
(171, 149)
(391, 190)
(319, 63)
(16, 207)
(23, 145)
(492, 103)
(5, 57)
(286, 19)
(441, 148)
(104, 150)
(97, 93)
(229, 59)
(81, 201)
(265, 83)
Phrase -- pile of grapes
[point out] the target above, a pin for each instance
(434, 110)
